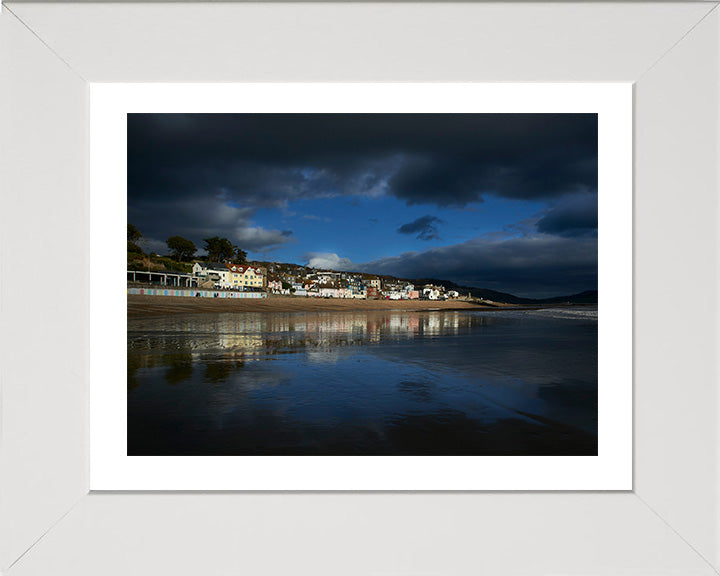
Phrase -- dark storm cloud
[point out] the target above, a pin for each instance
(201, 217)
(533, 266)
(267, 160)
(575, 216)
(442, 159)
(424, 227)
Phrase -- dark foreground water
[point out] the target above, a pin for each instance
(364, 383)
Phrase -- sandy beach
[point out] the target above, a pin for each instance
(163, 305)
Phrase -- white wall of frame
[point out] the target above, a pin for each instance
(669, 524)
(677, 238)
(43, 329)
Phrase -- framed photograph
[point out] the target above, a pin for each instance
(587, 431)
(278, 371)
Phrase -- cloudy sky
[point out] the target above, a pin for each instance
(500, 201)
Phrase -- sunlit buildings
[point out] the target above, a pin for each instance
(226, 275)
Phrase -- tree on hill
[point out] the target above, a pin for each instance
(181, 248)
(219, 249)
(134, 248)
(133, 234)
(133, 237)
(240, 256)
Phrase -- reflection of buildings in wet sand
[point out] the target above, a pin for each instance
(432, 327)
(412, 325)
(241, 341)
(404, 325)
(249, 336)
(177, 364)
(216, 367)
(442, 324)
(224, 341)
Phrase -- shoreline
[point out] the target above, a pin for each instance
(142, 305)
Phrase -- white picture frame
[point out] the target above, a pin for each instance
(49, 523)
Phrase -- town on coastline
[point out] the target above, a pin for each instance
(226, 279)
(225, 272)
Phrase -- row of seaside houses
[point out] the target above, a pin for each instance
(312, 283)
(230, 276)
(355, 286)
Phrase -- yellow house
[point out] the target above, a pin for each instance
(246, 276)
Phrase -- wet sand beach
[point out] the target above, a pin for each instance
(139, 306)
(512, 382)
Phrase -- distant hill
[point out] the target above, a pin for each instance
(587, 297)
(483, 293)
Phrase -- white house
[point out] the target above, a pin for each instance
(218, 273)
(326, 292)
(431, 293)
(327, 277)
(374, 282)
